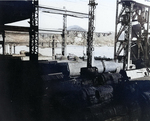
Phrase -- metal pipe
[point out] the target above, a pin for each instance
(106, 66)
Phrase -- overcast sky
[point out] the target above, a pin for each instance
(104, 17)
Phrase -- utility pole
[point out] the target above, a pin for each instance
(92, 6)
(64, 34)
(53, 47)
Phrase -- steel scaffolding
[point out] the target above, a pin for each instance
(132, 33)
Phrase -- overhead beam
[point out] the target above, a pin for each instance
(23, 29)
(50, 30)
(63, 12)
(14, 28)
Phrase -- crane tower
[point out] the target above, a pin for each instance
(132, 42)
(92, 6)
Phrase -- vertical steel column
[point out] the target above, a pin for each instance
(10, 48)
(121, 23)
(117, 5)
(14, 49)
(3, 43)
(92, 6)
(147, 43)
(34, 34)
(148, 35)
(124, 19)
(130, 35)
(53, 47)
(64, 53)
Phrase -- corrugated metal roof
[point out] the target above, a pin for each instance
(12, 11)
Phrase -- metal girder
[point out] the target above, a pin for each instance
(62, 12)
(34, 34)
(14, 28)
(132, 22)
(50, 30)
(92, 6)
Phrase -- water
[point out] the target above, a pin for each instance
(74, 49)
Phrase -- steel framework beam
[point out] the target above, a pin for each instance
(92, 6)
(14, 28)
(63, 12)
(34, 34)
(132, 22)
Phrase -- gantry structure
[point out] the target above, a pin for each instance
(29, 9)
(132, 42)
(91, 28)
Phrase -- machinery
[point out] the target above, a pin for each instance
(111, 96)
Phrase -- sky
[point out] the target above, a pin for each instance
(105, 14)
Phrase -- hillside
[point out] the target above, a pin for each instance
(75, 36)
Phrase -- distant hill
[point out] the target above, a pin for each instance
(75, 36)
(75, 28)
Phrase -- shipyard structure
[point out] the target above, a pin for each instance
(44, 90)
